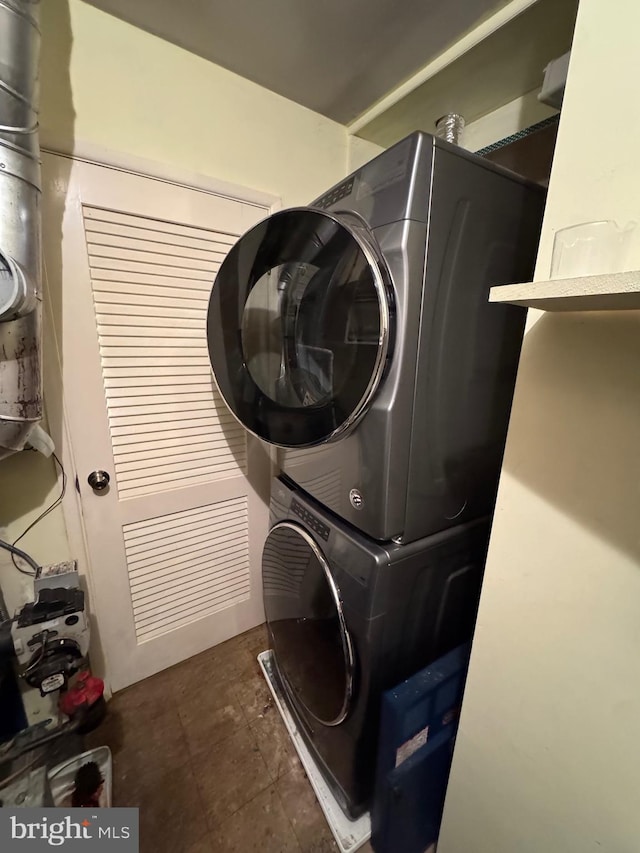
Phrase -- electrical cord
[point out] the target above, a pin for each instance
(56, 503)
(52, 734)
(23, 556)
(18, 773)
(34, 663)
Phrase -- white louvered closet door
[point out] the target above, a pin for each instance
(175, 543)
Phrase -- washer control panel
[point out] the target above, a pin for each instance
(310, 519)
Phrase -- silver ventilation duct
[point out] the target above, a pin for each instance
(20, 262)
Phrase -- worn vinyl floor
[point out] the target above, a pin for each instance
(201, 750)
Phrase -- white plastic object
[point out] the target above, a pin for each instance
(450, 127)
(350, 835)
(41, 441)
(591, 248)
(62, 776)
(17, 294)
(555, 79)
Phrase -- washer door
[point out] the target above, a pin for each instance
(312, 648)
(298, 326)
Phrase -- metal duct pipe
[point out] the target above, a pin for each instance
(20, 225)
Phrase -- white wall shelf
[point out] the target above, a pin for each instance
(609, 292)
(501, 59)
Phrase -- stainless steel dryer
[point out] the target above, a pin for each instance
(356, 335)
(349, 617)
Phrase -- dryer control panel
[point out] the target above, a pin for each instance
(336, 194)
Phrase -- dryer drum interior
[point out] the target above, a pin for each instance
(299, 326)
(312, 648)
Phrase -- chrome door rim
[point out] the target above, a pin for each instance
(347, 645)
(377, 265)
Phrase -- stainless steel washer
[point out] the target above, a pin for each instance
(349, 617)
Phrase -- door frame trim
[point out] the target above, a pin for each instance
(53, 389)
(98, 155)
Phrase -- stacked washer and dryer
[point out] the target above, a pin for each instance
(355, 334)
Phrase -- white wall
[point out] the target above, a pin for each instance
(135, 93)
(509, 119)
(517, 115)
(28, 485)
(360, 151)
(111, 90)
(547, 757)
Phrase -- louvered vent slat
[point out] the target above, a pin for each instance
(113, 323)
(167, 448)
(153, 573)
(121, 434)
(162, 550)
(180, 418)
(159, 226)
(171, 463)
(140, 377)
(198, 567)
(109, 245)
(104, 231)
(165, 474)
(180, 280)
(137, 528)
(166, 436)
(125, 369)
(134, 387)
(117, 311)
(156, 573)
(155, 588)
(167, 293)
(151, 281)
(184, 618)
(124, 264)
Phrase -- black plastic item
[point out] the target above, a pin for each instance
(89, 718)
(60, 656)
(88, 784)
(51, 604)
(12, 716)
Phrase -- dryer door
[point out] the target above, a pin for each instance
(298, 326)
(312, 648)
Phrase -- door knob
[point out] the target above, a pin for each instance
(98, 480)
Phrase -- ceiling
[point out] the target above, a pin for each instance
(498, 69)
(337, 57)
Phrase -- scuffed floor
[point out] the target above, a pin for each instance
(202, 751)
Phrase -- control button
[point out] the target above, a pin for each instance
(72, 620)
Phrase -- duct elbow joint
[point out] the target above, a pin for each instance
(18, 293)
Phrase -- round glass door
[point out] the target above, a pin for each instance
(298, 327)
(312, 649)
